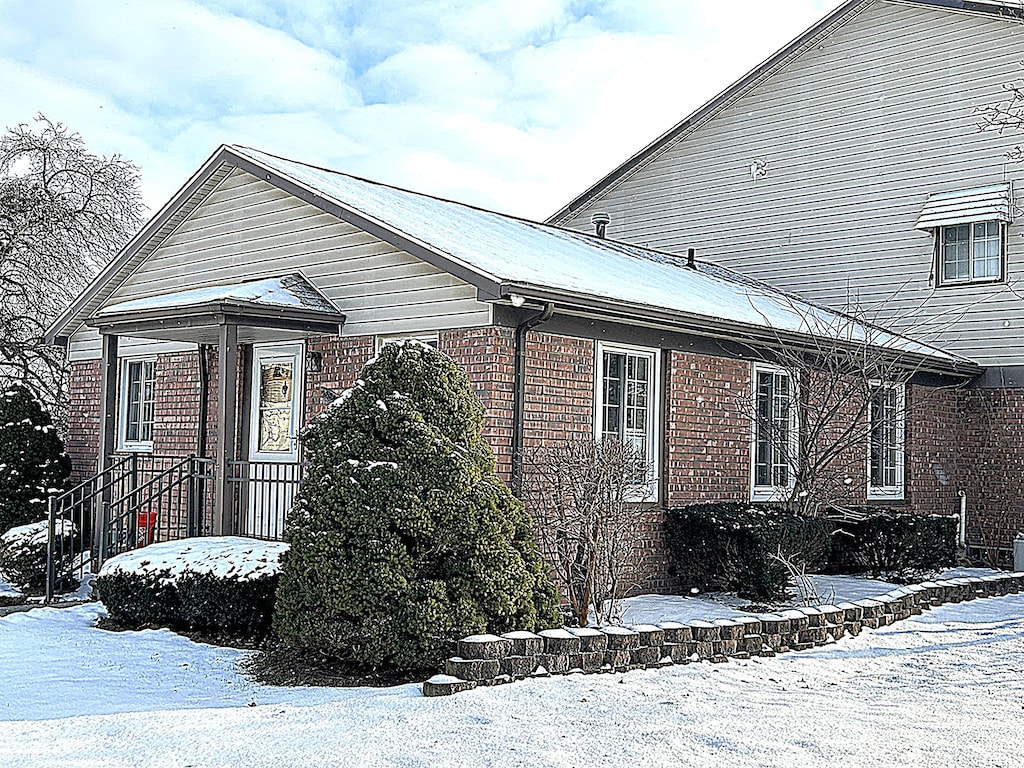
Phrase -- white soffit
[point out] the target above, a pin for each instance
(992, 203)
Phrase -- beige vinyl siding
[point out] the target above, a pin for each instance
(248, 229)
(857, 132)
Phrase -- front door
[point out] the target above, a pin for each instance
(274, 419)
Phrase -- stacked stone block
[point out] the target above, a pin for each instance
(492, 659)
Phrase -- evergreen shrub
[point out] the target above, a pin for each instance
(402, 537)
(222, 587)
(33, 463)
(23, 556)
(899, 546)
(140, 599)
(214, 605)
(728, 546)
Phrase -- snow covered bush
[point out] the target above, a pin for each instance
(23, 555)
(221, 586)
(402, 537)
(33, 464)
(731, 546)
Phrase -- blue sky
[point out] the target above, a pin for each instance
(515, 105)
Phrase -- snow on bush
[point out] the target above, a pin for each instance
(226, 557)
(23, 554)
(217, 585)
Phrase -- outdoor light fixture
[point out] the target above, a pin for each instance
(314, 361)
(516, 299)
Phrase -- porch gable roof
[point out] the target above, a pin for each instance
(264, 310)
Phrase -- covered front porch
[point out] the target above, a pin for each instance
(243, 466)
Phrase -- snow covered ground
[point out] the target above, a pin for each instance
(943, 689)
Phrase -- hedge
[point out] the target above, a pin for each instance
(729, 546)
(222, 587)
(899, 546)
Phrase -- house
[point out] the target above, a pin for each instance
(255, 295)
(853, 168)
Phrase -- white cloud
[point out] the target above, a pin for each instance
(512, 104)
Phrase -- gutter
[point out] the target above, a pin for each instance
(715, 328)
(519, 392)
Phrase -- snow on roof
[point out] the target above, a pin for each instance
(523, 254)
(289, 291)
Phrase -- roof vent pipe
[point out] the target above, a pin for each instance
(691, 258)
(600, 222)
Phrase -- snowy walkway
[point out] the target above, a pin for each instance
(943, 689)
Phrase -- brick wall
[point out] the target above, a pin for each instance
(991, 469)
(706, 431)
(559, 389)
(342, 358)
(84, 418)
(933, 466)
(488, 356)
(956, 438)
(176, 405)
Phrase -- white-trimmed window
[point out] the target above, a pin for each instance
(969, 227)
(970, 253)
(886, 441)
(627, 395)
(138, 394)
(775, 434)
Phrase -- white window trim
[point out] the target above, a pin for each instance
(940, 256)
(123, 443)
(773, 492)
(648, 492)
(430, 339)
(890, 492)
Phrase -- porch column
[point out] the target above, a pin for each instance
(107, 439)
(227, 401)
(108, 402)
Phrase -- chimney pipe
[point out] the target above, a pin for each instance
(600, 222)
(691, 258)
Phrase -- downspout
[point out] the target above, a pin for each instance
(962, 533)
(519, 393)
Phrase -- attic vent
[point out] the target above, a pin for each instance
(600, 222)
(992, 203)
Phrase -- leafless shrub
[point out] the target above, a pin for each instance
(586, 500)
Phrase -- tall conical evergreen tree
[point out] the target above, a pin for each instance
(33, 463)
(402, 537)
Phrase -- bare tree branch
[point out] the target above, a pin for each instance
(64, 213)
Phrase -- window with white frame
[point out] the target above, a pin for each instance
(970, 252)
(627, 383)
(775, 434)
(138, 394)
(885, 441)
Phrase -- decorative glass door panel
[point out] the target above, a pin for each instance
(272, 473)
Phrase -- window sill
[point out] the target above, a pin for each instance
(770, 494)
(135, 448)
(978, 282)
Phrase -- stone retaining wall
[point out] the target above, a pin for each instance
(491, 660)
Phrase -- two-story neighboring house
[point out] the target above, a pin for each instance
(852, 168)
